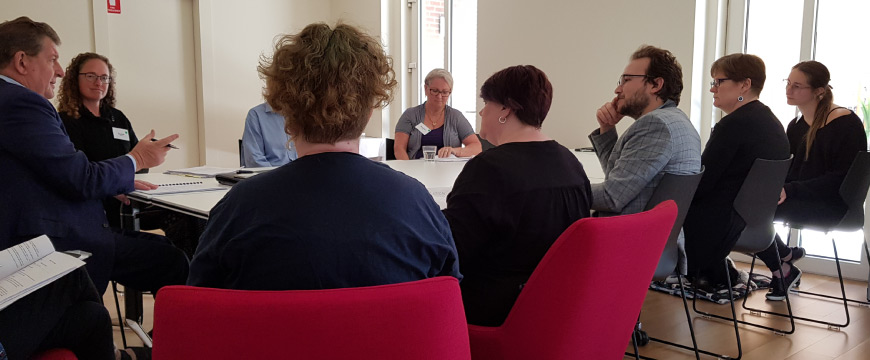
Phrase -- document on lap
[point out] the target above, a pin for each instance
(27, 267)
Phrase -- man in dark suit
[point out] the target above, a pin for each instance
(47, 187)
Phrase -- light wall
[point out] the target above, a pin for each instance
(155, 81)
(233, 35)
(189, 66)
(71, 19)
(582, 46)
(367, 16)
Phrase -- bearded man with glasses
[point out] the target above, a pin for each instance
(661, 140)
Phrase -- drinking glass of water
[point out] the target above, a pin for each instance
(429, 152)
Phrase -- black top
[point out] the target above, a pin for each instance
(330, 220)
(711, 226)
(93, 136)
(508, 205)
(750, 132)
(817, 178)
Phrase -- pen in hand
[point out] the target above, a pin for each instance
(167, 145)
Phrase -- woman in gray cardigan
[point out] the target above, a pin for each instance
(435, 123)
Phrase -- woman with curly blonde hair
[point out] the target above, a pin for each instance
(331, 218)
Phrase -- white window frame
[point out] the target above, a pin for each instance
(735, 42)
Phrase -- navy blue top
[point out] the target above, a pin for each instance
(329, 220)
(433, 138)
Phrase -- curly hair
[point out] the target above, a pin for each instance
(70, 97)
(326, 82)
(662, 64)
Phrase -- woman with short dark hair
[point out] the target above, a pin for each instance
(510, 203)
(749, 131)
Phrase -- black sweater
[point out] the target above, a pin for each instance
(817, 178)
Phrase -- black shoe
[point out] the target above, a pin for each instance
(777, 293)
(797, 253)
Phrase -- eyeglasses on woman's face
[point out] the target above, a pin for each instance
(440, 92)
(92, 77)
(717, 82)
(793, 86)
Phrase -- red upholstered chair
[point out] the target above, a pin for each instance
(55, 354)
(416, 320)
(583, 299)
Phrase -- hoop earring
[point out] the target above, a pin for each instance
(502, 120)
(740, 98)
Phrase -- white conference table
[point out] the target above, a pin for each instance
(437, 176)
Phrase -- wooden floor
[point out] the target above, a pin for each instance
(663, 317)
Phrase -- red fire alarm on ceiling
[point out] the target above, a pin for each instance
(114, 6)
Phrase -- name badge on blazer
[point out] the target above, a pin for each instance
(422, 128)
(121, 134)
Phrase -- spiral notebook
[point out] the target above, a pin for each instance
(181, 187)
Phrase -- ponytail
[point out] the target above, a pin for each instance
(818, 76)
(826, 101)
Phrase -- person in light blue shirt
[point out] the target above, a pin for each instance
(264, 141)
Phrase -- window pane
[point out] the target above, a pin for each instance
(464, 58)
(841, 44)
(773, 32)
(432, 38)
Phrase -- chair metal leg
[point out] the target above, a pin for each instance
(792, 317)
(118, 309)
(867, 252)
(691, 327)
(733, 318)
(833, 326)
(755, 311)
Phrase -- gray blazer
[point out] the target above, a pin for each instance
(662, 141)
(456, 127)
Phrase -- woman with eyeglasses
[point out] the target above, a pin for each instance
(749, 131)
(434, 123)
(824, 141)
(86, 104)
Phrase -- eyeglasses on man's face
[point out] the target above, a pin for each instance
(92, 77)
(793, 86)
(440, 92)
(717, 82)
(624, 78)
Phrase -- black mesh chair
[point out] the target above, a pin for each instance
(680, 189)
(853, 191)
(756, 204)
(391, 152)
(241, 154)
